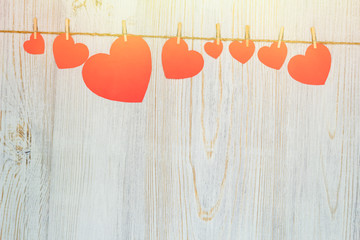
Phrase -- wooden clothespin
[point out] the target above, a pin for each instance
(281, 37)
(218, 33)
(247, 35)
(124, 30)
(178, 33)
(35, 26)
(67, 28)
(313, 35)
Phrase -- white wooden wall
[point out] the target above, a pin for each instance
(237, 152)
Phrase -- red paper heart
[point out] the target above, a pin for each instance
(67, 54)
(241, 52)
(123, 75)
(313, 68)
(213, 49)
(35, 46)
(273, 56)
(178, 62)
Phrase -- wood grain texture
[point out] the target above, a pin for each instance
(237, 152)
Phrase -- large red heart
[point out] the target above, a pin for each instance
(123, 75)
(273, 56)
(213, 49)
(178, 62)
(35, 46)
(67, 54)
(313, 68)
(241, 52)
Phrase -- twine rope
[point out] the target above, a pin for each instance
(183, 37)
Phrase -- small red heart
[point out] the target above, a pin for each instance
(273, 56)
(313, 68)
(241, 52)
(67, 54)
(123, 75)
(35, 46)
(213, 49)
(178, 62)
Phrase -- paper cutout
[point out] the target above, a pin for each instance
(35, 46)
(178, 62)
(213, 49)
(313, 68)
(241, 52)
(273, 56)
(67, 54)
(123, 75)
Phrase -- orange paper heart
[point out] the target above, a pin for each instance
(213, 49)
(273, 56)
(67, 54)
(35, 46)
(178, 62)
(241, 52)
(313, 68)
(123, 75)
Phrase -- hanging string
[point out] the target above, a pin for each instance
(183, 37)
